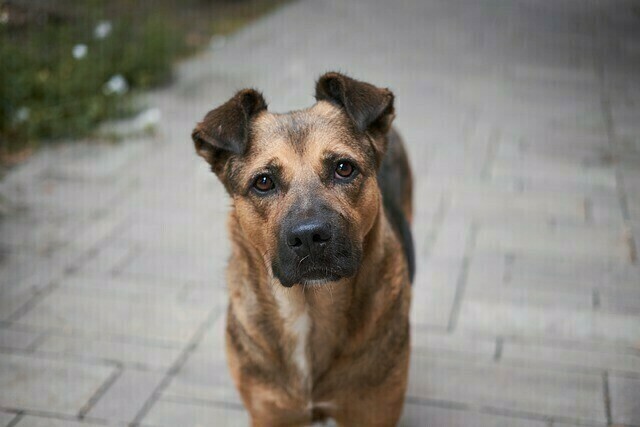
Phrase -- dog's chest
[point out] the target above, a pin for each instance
(296, 322)
(300, 330)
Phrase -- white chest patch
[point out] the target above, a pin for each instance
(300, 329)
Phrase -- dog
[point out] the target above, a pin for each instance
(322, 258)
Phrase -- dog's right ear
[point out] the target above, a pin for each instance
(225, 131)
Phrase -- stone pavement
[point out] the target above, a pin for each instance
(523, 124)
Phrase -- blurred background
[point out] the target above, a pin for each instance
(522, 121)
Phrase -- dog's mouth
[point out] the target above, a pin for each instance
(315, 275)
(330, 265)
(319, 276)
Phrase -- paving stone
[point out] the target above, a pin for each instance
(96, 162)
(126, 396)
(18, 232)
(70, 310)
(571, 176)
(434, 292)
(28, 382)
(17, 339)
(532, 292)
(133, 354)
(620, 301)
(422, 415)
(520, 319)
(487, 202)
(625, 399)
(197, 235)
(520, 390)
(571, 356)
(205, 375)
(18, 266)
(439, 344)
(592, 273)
(566, 242)
(605, 209)
(491, 278)
(130, 288)
(55, 198)
(177, 265)
(451, 239)
(169, 413)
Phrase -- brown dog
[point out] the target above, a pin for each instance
(319, 277)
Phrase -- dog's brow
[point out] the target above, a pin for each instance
(272, 165)
(332, 155)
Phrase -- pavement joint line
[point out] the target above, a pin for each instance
(430, 328)
(63, 357)
(588, 211)
(445, 404)
(42, 336)
(499, 347)
(86, 360)
(509, 260)
(524, 364)
(114, 271)
(15, 420)
(595, 297)
(605, 106)
(631, 246)
(100, 391)
(568, 344)
(495, 140)
(461, 282)
(495, 410)
(436, 224)
(37, 296)
(56, 416)
(607, 397)
(120, 339)
(204, 402)
(478, 409)
(176, 366)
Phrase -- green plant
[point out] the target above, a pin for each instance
(54, 81)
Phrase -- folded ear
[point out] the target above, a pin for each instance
(225, 131)
(370, 107)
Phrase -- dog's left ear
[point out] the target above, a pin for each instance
(369, 107)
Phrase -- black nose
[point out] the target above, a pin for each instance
(308, 237)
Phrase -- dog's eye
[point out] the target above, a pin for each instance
(263, 184)
(344, 169)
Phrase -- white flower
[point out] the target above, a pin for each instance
(149, 118)
(116, 85)
(102, 30)
(79, 51)
(4, 17)
(22, 115)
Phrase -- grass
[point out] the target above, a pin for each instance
(64, 70)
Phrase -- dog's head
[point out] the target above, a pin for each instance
(303, 184)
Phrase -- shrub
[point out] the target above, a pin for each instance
(61, 80)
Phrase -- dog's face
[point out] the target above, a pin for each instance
(304, 183)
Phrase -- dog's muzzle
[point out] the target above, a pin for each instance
(315, 248)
